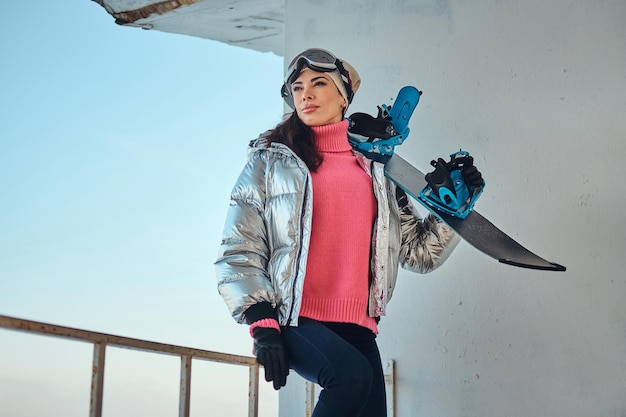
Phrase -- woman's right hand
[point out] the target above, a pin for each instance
(270, 352)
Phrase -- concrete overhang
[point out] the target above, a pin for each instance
(252, 24)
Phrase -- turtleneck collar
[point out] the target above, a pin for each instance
(333, 137)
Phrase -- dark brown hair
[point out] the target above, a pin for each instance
(299, 138)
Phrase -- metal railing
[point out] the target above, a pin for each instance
(101, 341)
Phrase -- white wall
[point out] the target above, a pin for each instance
(536, 91)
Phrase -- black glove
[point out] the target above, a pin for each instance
(440, 178)
(471, 174)
(464, 163)
(270, 352)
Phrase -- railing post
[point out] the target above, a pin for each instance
(309, 398)
(253, 390)
(390, 380)
(185, 386)
(97, 379)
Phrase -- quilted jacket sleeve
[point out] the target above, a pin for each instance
(241, 267)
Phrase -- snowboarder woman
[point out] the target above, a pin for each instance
(312, 243)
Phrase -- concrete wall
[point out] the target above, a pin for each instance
(536, 90)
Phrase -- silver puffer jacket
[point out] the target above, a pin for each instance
(264, 248)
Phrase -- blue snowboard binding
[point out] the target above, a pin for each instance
(377, 137)
(453, 187)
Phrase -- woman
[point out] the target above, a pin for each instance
(312, 243)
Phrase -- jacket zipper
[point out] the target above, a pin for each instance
(297, 268)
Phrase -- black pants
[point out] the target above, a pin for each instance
(344, 360)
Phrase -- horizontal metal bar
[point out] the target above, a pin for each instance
(123, 342)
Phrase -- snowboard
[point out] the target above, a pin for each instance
(474, 228)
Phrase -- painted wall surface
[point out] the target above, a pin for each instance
(536, 91)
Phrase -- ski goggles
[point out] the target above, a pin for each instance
(318, 60)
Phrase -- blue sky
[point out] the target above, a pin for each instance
(118, 149)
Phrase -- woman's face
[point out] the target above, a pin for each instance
(316, 98)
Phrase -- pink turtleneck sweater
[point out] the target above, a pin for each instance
(336, 285)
